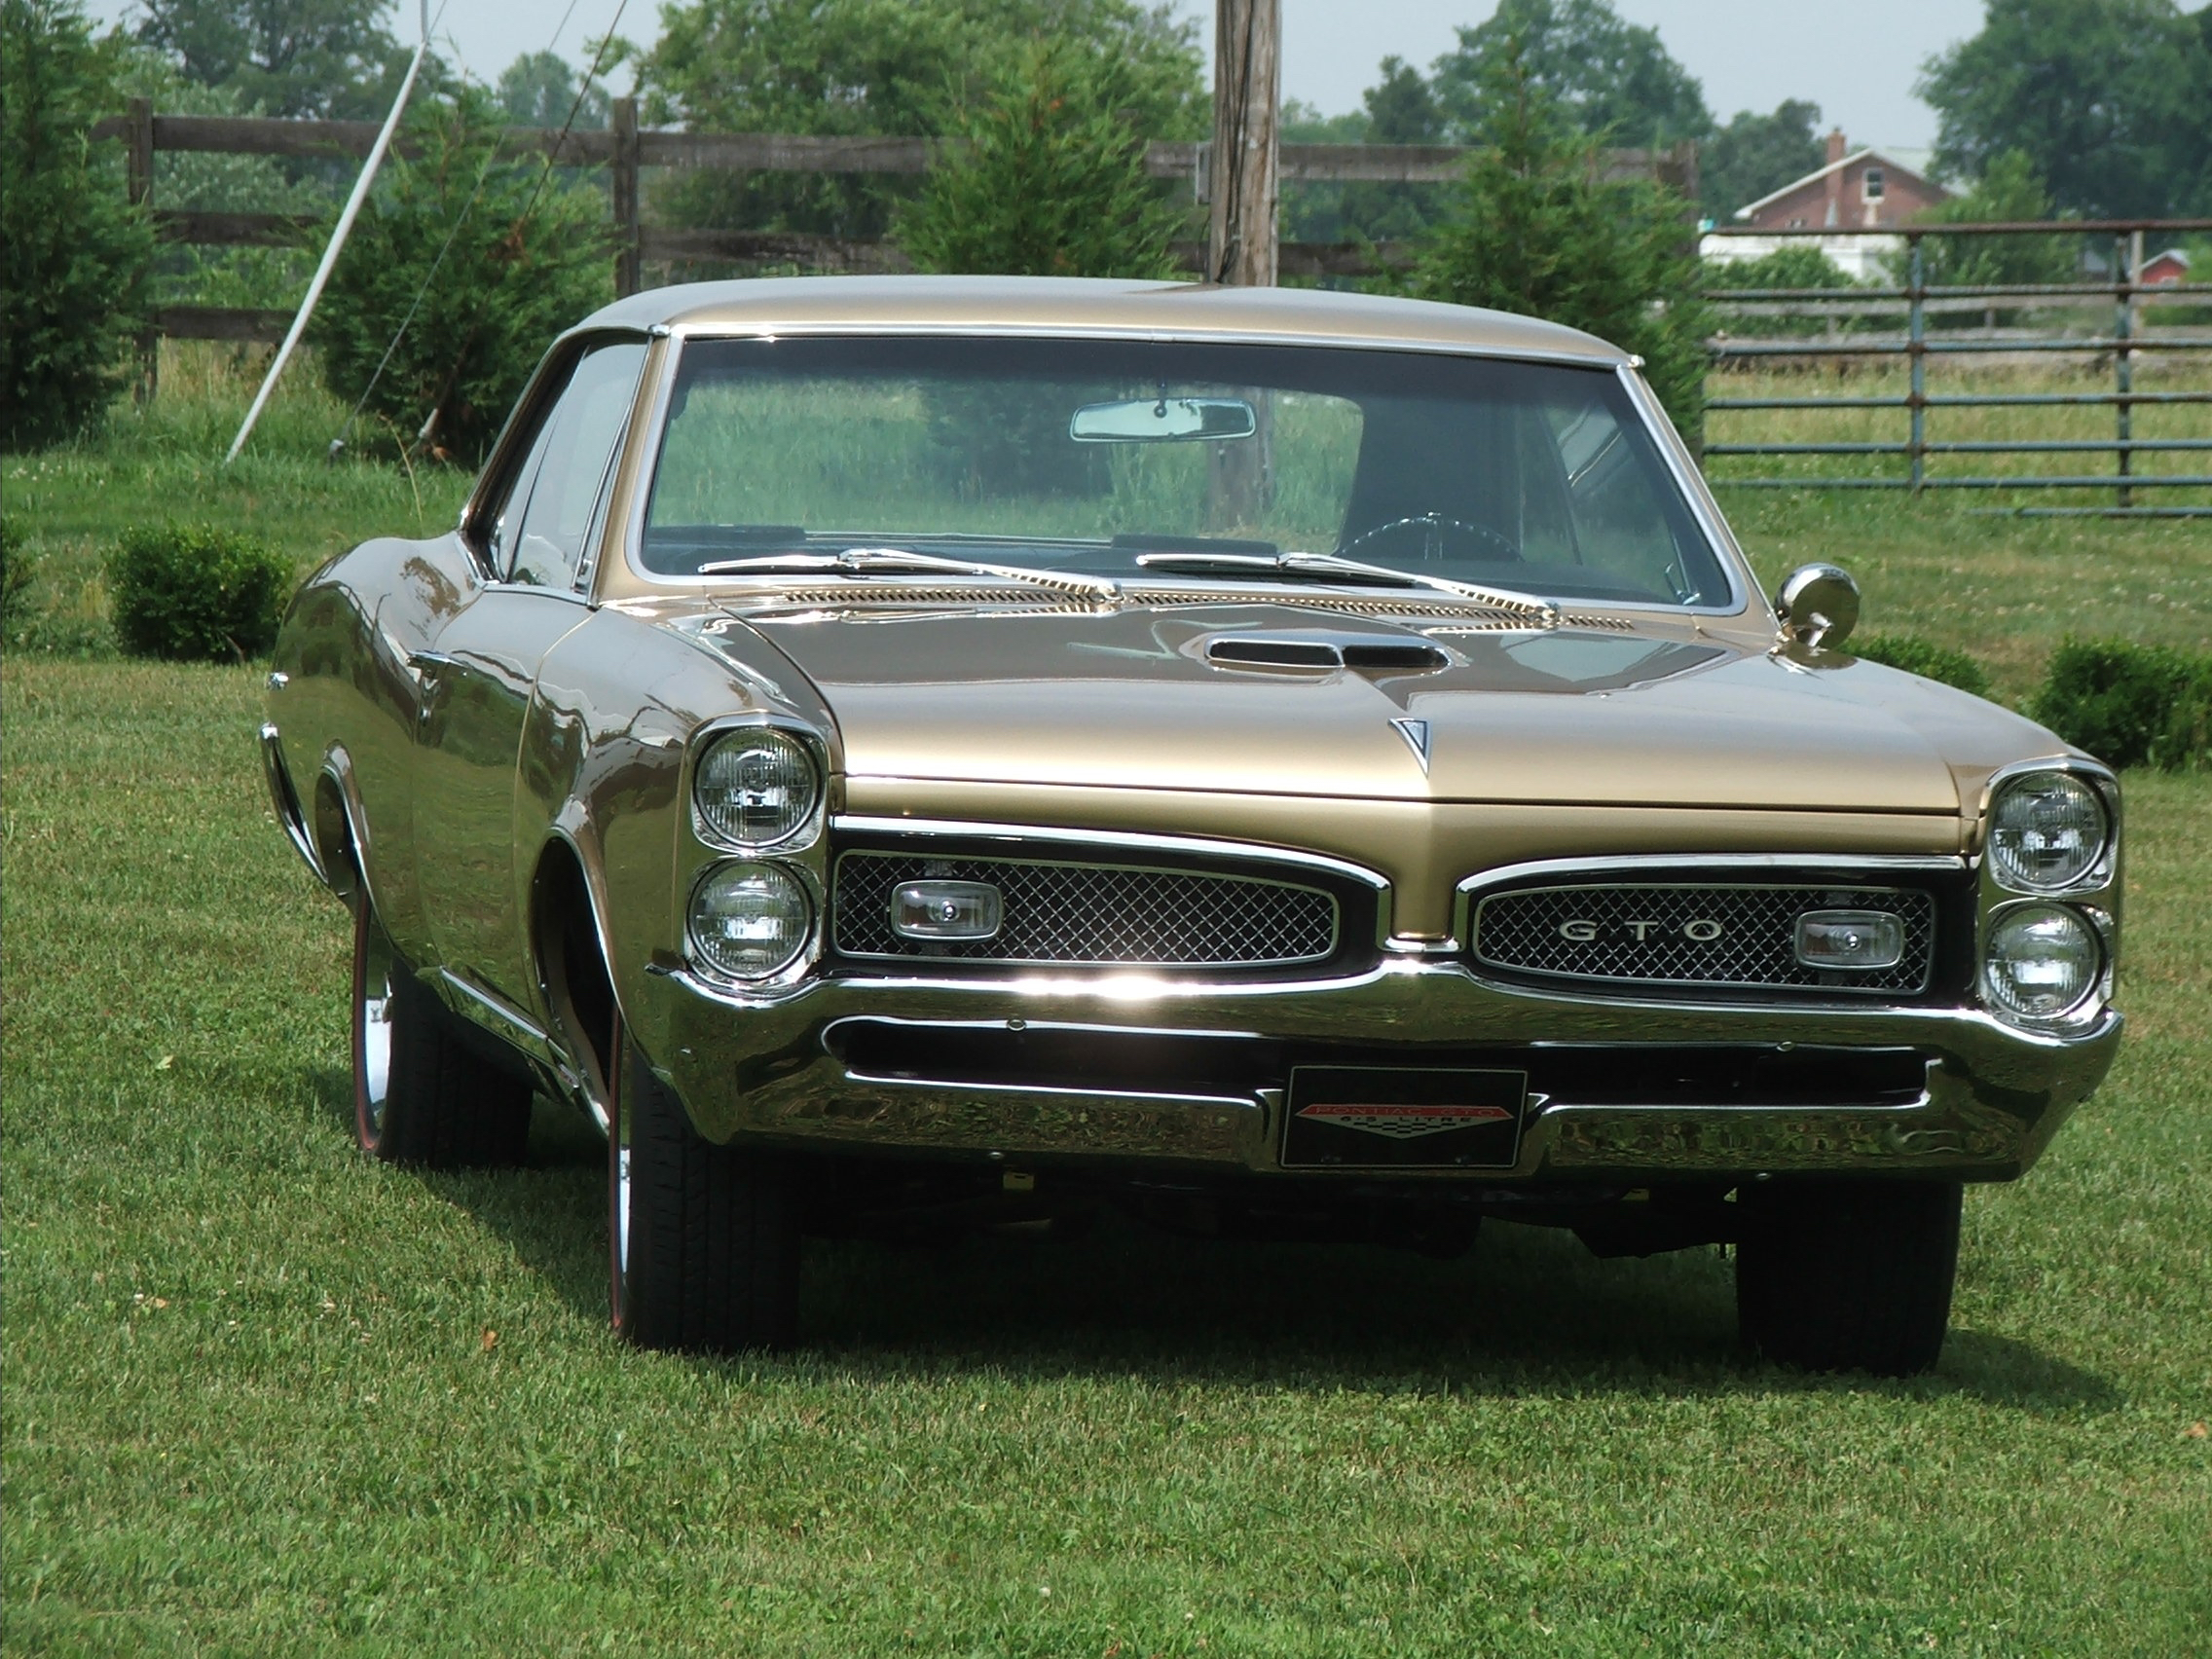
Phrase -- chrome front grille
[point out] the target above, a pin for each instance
(1066, 914)
(1688, 934)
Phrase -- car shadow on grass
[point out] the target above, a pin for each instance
(1528, 1310)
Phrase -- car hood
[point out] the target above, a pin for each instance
(1611, 713)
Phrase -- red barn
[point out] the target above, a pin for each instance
(2171, 266)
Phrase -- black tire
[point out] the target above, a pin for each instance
(1834, 1276)
(424, 1093)
(703, 1239)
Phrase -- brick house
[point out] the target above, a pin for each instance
(1858, 187)
(1865, 187)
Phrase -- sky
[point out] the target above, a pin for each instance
(1858, 63)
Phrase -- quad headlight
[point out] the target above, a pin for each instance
(756, 787)
(2042, 963)
(2048, 831)
(749, 921)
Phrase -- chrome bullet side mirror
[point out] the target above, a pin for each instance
(1817, 605)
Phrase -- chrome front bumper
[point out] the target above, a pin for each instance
(1993, 1098)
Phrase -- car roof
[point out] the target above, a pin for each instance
(1074, 305)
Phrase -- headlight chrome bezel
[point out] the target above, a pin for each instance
(2093, 897)
(2096, 992)
(808, 826)
(800, 855)
(2094, 875)
(800, 958)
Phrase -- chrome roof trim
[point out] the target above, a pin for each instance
(818, 329)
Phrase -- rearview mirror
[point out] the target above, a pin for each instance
(1163, 421)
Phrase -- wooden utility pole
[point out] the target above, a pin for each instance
(623, 176)
(1241, 172)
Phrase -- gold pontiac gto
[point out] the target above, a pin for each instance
(917, 751)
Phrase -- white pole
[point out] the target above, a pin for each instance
(330, 253)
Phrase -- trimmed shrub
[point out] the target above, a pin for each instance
(196, 593)
(1926, 658)
(2128, 704)
(74, 255)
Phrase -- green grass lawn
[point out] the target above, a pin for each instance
(260, 1395)
(264, 1395)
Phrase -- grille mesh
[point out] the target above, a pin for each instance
(1755, 947)
(1070, 914)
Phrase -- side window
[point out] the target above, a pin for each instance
(559, 485)
(1619, 523)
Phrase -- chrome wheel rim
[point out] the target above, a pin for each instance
(373, 1013)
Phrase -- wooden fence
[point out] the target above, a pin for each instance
(626, 149)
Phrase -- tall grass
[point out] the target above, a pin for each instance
(164, 458)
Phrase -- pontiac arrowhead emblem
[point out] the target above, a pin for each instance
(1416, 734)
(1400, 1122)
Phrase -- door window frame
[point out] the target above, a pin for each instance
(503, 484)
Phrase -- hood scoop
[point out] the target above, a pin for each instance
(1319, 651)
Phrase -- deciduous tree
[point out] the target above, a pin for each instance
(321, 57)
(539, 89)
(2110, 100)
(1756, 155)
(1605, 74)
(881, 66)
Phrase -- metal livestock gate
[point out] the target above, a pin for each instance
(2123, 343)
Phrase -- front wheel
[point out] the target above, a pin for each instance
(702, 1239)
(422, 1093)
(1838, 1275)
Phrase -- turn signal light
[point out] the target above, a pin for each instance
(1849, 942)
(946, 911)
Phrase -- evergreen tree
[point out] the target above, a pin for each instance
(1048, 180)
(74, 256)
(1540, 230)
(524, 257)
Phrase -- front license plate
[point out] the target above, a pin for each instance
(1403, 1118)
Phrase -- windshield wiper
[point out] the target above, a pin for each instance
(892, 561)
(1546, 613)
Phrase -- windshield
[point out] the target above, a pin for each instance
(1116, 459)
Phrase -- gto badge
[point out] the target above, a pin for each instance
(1405, 1122)
(1416, 734)
(1701, 931)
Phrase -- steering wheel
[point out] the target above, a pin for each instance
(1435, 530)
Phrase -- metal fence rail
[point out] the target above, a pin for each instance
(1922, 299)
